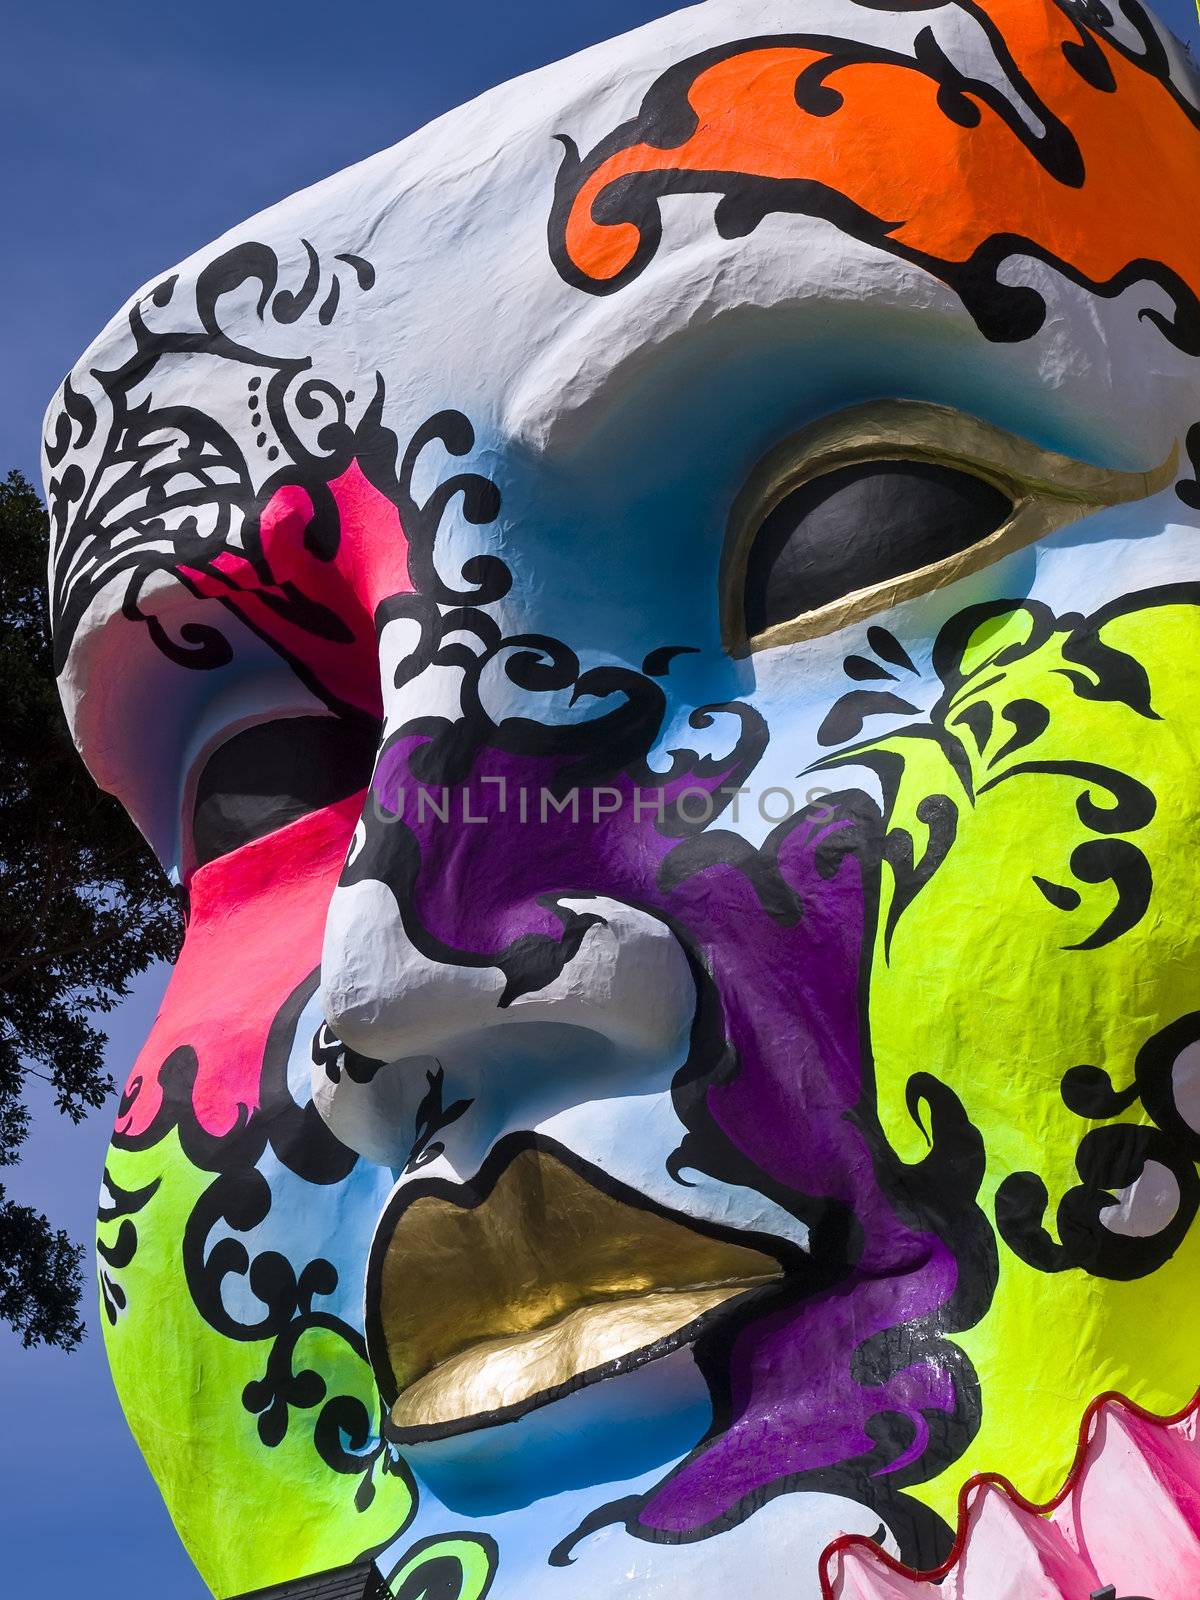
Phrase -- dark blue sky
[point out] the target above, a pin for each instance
(130, 134)
(134, 132)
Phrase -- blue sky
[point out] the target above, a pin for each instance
(130, 134)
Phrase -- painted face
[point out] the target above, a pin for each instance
(653, 626)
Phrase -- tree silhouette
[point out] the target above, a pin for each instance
(84, 907)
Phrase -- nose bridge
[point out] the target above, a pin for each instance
(497, 879)
(468, 899)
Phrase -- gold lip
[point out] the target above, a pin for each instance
(492, 1299)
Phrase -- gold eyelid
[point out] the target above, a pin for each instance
(1048, 492)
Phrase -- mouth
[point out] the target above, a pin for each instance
(541, 1276)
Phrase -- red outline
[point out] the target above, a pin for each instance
(984, 1479)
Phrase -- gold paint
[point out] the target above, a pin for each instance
(547, 1279)
(507, 1372)
(1048, 492)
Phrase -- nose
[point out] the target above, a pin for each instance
(618, 974)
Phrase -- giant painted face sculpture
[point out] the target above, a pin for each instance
(654, 625)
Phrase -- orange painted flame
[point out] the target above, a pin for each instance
(1091, 161)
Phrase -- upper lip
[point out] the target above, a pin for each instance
(487, 1299)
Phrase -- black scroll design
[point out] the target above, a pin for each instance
(434, 1117)
(1188, 489)
(171, 485)
(121, 1206)
(1110, 1160)
(174, 490)
(434, 1568)
(979, 741)
(1095, 19)
(347, 1438)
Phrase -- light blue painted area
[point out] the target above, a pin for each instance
(506, 1510)
(548, 1464)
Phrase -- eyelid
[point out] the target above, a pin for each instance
(1048, 491)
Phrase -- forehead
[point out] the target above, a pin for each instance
(743, 150)
(676, 246)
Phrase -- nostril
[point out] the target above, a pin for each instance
(333, 1058)
(370, 1106)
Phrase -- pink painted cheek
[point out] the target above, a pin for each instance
(255, 932)
(320, 611)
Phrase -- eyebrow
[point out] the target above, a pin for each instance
(616, 347)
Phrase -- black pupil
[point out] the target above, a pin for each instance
(861, 525)
(275, 773)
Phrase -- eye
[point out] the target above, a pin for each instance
(861, 525)
(275, 773)
(868, 507)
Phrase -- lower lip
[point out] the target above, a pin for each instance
(503, 1379)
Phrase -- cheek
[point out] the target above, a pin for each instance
(254, 936)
